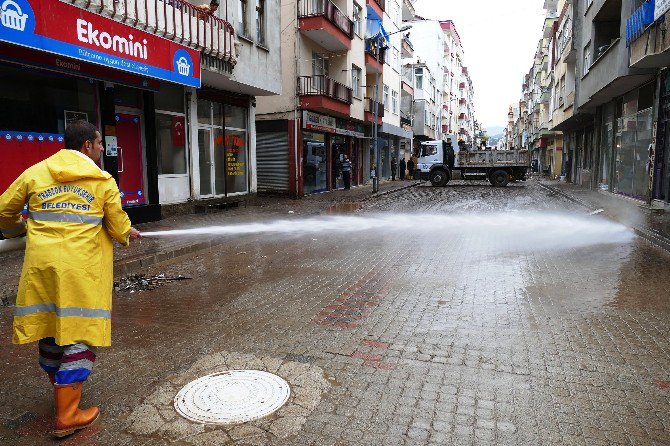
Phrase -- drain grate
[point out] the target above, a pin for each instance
(234, 396)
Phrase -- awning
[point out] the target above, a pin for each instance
(375, 29)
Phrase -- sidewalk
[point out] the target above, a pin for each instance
(139, 256)
(649, 224)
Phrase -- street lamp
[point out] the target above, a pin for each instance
(375, 112)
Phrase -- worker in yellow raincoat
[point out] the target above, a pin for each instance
(65, 294)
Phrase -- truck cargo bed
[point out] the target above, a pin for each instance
(493, 158)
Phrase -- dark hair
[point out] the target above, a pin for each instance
(214, 2)
(77, 133)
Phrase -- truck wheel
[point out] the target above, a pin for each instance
(499, 178)
(439, 178)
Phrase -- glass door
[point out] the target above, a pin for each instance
(205, 163)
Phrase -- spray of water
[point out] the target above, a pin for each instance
(538, 230)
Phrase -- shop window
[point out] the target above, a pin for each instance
(236, 117)
(37, 102)
(170, 98)
(171, 140)
(314, 160)
(127, 97)
(223, 150)
(204, 112)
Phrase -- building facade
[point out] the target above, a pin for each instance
(143, 76)
(341, 77)
(608, 62)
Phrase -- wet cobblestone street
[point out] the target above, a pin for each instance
(485, 335)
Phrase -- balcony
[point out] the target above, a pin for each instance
(322, 22)
(323, 94)
(176, 20)
(652, 48)
(639, 21)
(374, 57)
(407, 48)
(370, 106)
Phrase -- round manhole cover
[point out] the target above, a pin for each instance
(234, 396)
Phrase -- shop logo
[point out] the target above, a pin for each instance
(183, 62)
(13, 16)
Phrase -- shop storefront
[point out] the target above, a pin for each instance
(79, 67)
(325, 142)
(661, 179)
(221, 149)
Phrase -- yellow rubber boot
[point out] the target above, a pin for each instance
(69, 418)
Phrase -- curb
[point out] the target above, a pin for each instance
(652, 237)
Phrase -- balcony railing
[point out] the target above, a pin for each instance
(176, 20)
(638, 22)
(370, 105)
(320, 85)
(375, 51)
(328, 10)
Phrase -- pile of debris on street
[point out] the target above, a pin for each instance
(141, 282)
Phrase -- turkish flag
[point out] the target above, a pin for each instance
(178, 131)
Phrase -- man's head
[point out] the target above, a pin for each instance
(83, 137)
(213, 5)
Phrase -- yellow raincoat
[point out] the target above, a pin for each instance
(74, 211)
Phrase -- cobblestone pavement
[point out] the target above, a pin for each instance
(480, 335)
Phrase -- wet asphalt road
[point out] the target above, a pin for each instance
(501, 331)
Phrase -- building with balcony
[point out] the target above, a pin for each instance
(427, 68)
(170, 85)
(340, 73)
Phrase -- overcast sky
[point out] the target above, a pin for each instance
(499, 38)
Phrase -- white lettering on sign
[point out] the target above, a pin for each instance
(86, 33)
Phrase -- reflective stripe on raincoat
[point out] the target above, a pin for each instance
(74, 211)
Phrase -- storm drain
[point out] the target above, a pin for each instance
(234, 396)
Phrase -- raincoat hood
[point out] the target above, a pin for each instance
(67, 166)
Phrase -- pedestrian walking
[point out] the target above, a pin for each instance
(403, 168)
(410, 168)
(65, 292)
(394, 168)
(346, 172)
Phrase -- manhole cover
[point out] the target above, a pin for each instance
(234, 396)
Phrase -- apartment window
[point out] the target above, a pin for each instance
(394, 102)
(358, 13)
(426, 117)
(418, 76)
(319, 64)
(587, 59)
(260, 22)
(243, 26)
(396, 59)
(386, 97)
(356, 80)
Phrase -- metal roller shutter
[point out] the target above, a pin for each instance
(272, 161)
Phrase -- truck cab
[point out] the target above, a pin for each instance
(437, 159)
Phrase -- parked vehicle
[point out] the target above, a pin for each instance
(442, 161)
